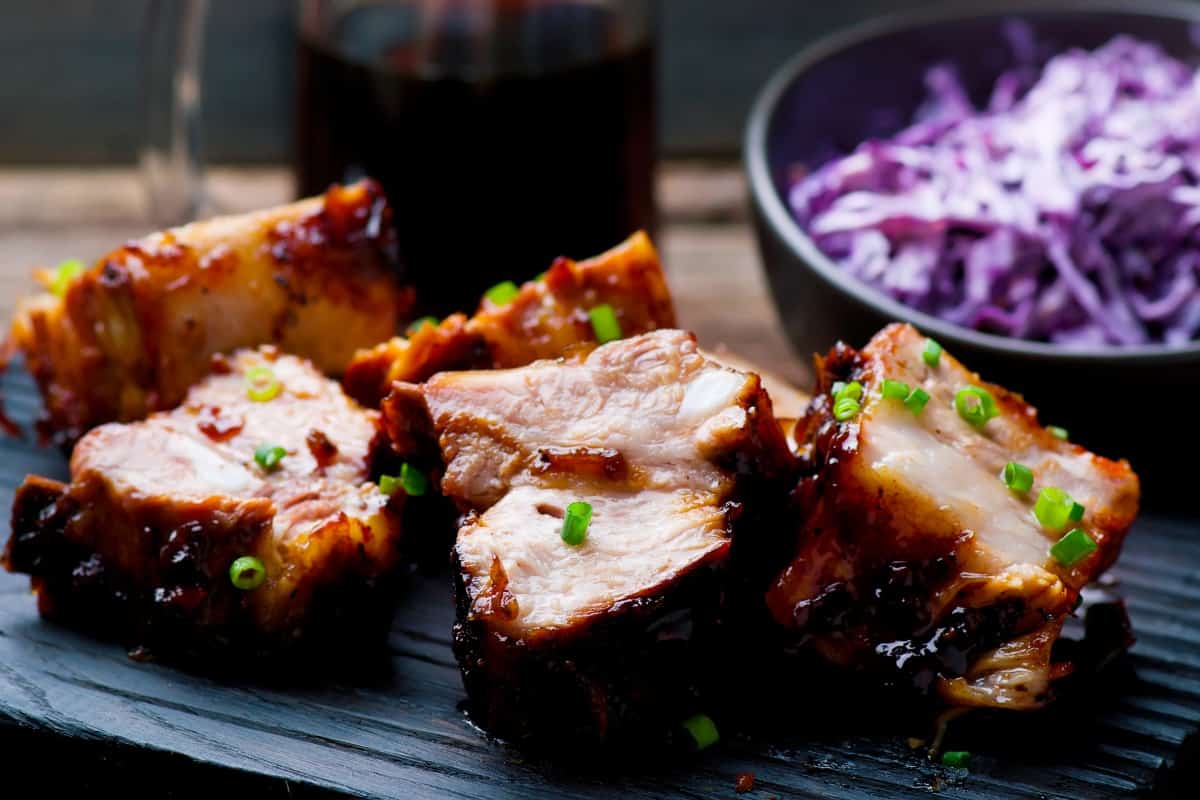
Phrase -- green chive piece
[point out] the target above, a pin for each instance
(541, 277)
(1057, 432)
(1073, 547)
(895, 390)
(853, 390)
(64, 274)
(262, 385)
(916, 401)
(956, 758)
(932, 353)
(417, 324)
(502, 293)
(846, 398)
(846, 409)
(575, 523)
(975, 405)
(247, 573)
(413, 480)
(268, 455)
(1077, 511)
(703, 731)
(1018, 477)
(605, 324)
(1053, 508)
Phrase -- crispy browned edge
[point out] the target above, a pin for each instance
(631, 673)
(546, 318)
(826, 447)
(87, 379)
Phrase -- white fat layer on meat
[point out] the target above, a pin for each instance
(168, 455)
(153, 459)
(635, 543)
(903, 449)
(654, 399)
(958, 468)
(666, 409)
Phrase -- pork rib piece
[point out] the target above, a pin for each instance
(546, 318)
(140, 544)
(134, 332)
(915, 558)
(595, 641)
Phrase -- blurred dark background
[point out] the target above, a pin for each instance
(69, 73)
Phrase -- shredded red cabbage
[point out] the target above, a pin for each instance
(1067, 213)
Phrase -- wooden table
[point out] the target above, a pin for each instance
(50, 215)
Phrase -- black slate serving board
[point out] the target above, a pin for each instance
(77, 713)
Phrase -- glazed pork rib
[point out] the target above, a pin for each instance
(547, 317)
(141, 543)
(595, 641)
(916, 559)
(132, 334)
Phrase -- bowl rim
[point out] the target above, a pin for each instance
(780, 219)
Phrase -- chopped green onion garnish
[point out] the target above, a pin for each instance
(975, 405)
(956, 758)
(1077, 511)
(541, 277)
(837, 388)
(846, 409)
(262, 385)
(247, 573)
(895, 390)
(66, 272)
(575, 523)
(1073, 547)
(417, 324)
(1018, 477)
(268, 455)
(916, 401)
(703, 731)
(411, 480)
(1053, 508)
(932, 353)
(604, 323)
(502, 293)
(852, 390)
(1057, 432)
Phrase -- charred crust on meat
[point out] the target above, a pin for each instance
(323, 450)
(911, 581)
(625, 680)
(127, 552)
(134, 331)
(625, 666)
(596, 462)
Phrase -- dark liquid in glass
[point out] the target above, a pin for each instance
(546, 150)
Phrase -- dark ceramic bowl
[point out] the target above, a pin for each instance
(867, 82)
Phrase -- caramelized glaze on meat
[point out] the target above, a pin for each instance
(135, 332)
(915, 558)
(141, 541)
(666, 445)
(548, 317)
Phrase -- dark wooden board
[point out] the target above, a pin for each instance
(74, 710)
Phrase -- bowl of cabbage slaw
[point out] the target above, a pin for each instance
(1022, 184)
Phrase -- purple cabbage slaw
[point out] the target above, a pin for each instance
(1067, 213)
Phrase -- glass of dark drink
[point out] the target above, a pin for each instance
(505, 132)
